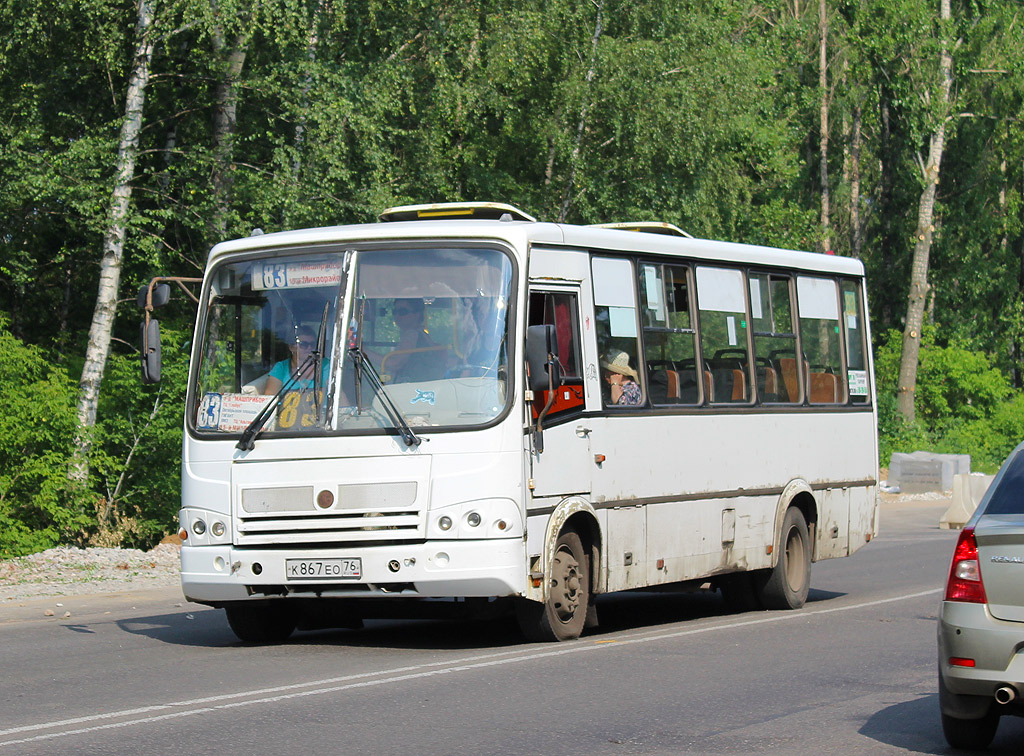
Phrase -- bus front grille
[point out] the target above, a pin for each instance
(337, 528)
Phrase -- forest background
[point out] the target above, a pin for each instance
(136, 134)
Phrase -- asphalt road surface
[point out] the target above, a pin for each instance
(853, 672)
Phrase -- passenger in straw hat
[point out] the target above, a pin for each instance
(621, 378)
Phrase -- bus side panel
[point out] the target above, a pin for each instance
(626, 537)
(863, 516)
(694, 539)
(833, 536)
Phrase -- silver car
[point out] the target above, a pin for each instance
(981, 622)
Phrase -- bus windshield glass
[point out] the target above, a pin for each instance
(431, 323)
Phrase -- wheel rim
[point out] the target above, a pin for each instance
(796, 560)
(566, 585)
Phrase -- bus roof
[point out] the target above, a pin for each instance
(522, 234)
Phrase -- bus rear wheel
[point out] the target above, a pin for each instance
(787, 584)
(260, 623)
(563, 615)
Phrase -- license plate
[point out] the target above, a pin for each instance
(344, 568)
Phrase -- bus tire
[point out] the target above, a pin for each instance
(260, 623)
(786, 586)
(564, 614)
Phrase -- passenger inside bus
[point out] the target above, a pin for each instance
(621, 379)
(415, 357)
(305, 343)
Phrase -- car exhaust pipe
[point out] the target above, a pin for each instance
(1006, 694)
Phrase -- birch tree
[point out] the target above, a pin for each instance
(925, 213)
(105, 311)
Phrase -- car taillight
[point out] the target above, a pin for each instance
(964, 582)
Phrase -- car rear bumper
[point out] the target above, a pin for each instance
(969, 631)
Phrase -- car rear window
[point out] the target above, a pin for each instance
(1008, 497)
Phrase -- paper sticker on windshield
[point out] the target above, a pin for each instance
(858, 382)
(229, 413)
(295, 275)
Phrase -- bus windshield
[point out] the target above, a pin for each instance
(431, 323)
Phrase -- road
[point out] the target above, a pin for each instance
(851, 673)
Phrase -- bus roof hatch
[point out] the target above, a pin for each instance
(456, 210)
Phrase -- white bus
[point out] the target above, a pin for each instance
(383, 416)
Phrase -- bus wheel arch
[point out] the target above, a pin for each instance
(571, 563)
(787, 583)
(798, 494)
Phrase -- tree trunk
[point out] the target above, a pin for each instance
(923, 237)
(113, 242)
(855, 224)
(225, 125)
(826, 232)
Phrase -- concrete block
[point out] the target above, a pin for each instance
(968, 491)
(921, 472)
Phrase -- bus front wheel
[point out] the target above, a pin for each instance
(260, 623)
(787, 584)
(564, 614)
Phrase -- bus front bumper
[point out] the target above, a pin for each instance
(439, 569)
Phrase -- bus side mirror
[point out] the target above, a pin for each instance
(542, 358)
(150, 332)
(161, 295)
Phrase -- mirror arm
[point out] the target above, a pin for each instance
(538, 434)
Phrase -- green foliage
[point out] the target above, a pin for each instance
(37, 427)
(964, 404)
(704, 114)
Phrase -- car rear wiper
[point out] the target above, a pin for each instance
(361, 361)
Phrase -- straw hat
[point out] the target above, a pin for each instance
(618, 362)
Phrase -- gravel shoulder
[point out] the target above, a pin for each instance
(71, 571)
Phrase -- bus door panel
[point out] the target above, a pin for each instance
(564, 466)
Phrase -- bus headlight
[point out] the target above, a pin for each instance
(218, 529)
(199, 527)
(479, 518)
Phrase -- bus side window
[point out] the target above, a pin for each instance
(670, 340)
(775, 344)
(818, 305)
(615, 318)
(722, 311)
(560, 309)
(853, 330)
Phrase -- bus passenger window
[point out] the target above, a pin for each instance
(723, 335)
(853, 329)
(778, 379)
(818, 305)
(670, 340)
(615, 319)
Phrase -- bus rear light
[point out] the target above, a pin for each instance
(965, 582)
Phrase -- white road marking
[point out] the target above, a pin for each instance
(180, 709)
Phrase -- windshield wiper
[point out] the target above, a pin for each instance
(361, 361)
(248, 439)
